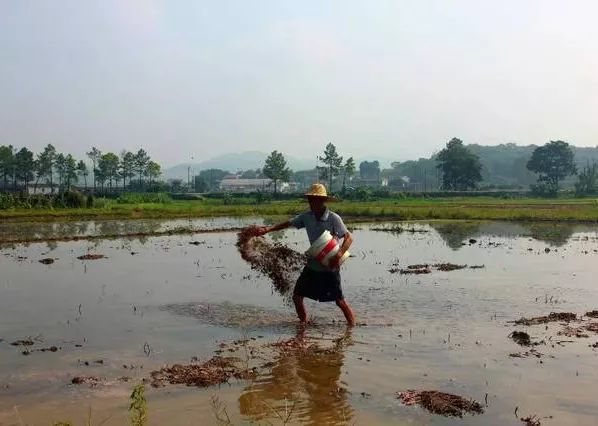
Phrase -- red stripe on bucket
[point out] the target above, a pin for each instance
(327, 249)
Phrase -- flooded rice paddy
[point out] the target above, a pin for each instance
(85, 331)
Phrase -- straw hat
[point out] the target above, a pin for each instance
(319, 190)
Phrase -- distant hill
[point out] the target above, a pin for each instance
(234, 162)
(245, 161)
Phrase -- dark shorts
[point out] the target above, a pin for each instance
(323, 286)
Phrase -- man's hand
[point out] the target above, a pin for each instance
(261, 230)
(334, 263)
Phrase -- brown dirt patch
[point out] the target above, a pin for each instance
(592, 314)
(24, 342)
(447, 267)
(47, 261)
(272, 259)
(444, 404)
(90, 256)
(552, 317)
(531, 353)
(85, 380)
(521, 338)
(216, 370)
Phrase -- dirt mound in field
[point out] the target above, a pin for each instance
(214, 371)
(552, 317)
(278, 262)
(441, 403)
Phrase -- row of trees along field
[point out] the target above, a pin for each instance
(275, 167)
(551, 163)
(22, 169)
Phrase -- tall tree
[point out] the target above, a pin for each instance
(45, 164)
(82, 171)
(70, 171)
(461, 169)
(153, 171)
(25, 166)
(348, 171)
(369, 170)
(6, 163)
(587, 180)
(127, 166)
(60, 164)
(141, 162)
(276, 168)
(552, 162)
(94, 155)
(333, 163)
(108, 167)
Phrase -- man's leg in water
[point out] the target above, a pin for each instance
(300, 308)
(347, 311)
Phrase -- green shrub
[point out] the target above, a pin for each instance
(144, 198)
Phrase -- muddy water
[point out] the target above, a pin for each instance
(162, 300)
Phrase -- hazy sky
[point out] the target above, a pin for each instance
(377, 78)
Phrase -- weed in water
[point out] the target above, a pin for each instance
(138, 407)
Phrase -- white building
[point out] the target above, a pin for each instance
(246, 185)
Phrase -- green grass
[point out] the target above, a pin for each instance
(583, 210)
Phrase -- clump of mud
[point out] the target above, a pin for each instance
(92, 381)
(527, 354)
(47, 261)
(272, 259)
(90, 256)
(552, 317)
(447, 267)
(592, 314)
(531, 421)
(521, 338)
(216, 370)
(441, 403)
(23, 342)
(424, 268)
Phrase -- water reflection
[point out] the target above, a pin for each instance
(303, 386)
(455, 234)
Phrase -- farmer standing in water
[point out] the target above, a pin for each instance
(316, 281)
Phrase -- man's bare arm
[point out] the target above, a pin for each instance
(265, 229)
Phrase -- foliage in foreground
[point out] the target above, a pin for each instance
(138, 407)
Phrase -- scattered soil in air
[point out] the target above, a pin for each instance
(47, 261)
(552, 317)
(592, 314)
(441, 403)
(272, 259)
(215, 371)
(90, 256)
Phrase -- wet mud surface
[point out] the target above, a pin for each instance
(188, 312)
(444, 404)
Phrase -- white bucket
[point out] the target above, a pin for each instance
(325, 248)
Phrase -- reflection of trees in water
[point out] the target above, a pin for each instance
(556, 234)
(306, 381)
(453, 234)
